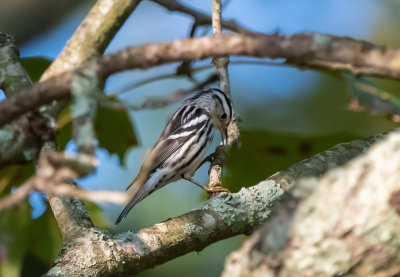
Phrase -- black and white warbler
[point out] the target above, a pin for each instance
(182, 145)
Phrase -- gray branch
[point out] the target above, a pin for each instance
(219, 218)
(19, 141)
(344, 223)
(304, 50)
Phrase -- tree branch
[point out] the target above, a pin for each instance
(219, 218)
(158, 102)
(313, 51)
(93, 35)
(13, 75)
(200, 18)
(354, 215)
(89, 41)
(221, 64)
(19, 141)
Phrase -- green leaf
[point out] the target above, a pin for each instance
(45, 238)
(13, 176)
(14, 226)
(22, 236)
(64, 134)
(114, 131)
(96, 215)
(263, 153)
(35, 66)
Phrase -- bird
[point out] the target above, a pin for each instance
(183, 145)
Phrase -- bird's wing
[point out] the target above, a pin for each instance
(172, 138)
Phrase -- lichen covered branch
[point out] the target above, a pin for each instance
(219, 218)
(89, 41)
(20, 140)
(347, 223)
(13, 75)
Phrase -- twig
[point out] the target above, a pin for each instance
(150, 103)
(16, 197)
(306, 51)
(55, 170)
(156, 103)
(200, 18)
(221, 64)
(160, 77)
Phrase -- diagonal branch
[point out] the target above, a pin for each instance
(90, 40)
(219, 218)
(305, 50)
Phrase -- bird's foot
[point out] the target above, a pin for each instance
(216, 188)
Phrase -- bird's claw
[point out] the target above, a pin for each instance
(215, 188)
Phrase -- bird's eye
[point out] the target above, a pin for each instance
(223, 116)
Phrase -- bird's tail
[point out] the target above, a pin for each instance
(140, 186)
(138, 196)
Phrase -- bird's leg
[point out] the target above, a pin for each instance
(208, 190)
(209, 158)
(194, 182)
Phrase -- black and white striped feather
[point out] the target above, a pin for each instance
(182, 145)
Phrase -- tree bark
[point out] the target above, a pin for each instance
(219, 218)
(342, 224)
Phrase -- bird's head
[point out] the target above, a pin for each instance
(221, 112)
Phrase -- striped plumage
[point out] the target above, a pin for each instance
(182, 145)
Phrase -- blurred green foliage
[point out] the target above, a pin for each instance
(114, 130)
(20, 235)
(35, 66)
(264, 153)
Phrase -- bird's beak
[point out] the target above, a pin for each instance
(224, 135)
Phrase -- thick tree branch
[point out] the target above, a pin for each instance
(219, 218)
(19, 141)
(353, 212)
(93, 35)
(13, 75)
(313, 50)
